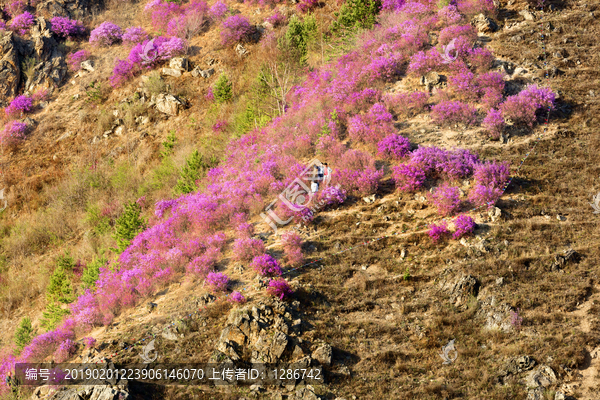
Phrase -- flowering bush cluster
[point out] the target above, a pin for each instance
(521, 108)
(453, 112)
(446, 198)
(106, 34)
(277, 19)
(13, 132)
(21, 23)
(218, 10)
(217, 282)
(494, 123)
(332, 196)
(237, 297)
(371, 127)
(407, 104)
(19, 106)
(279, 288)
(15, 7)
(236, 28)
(438, 232)
(245, 249)
(75, 59)
(463, 226)
(393, 147)
(408, 177)
(134, 35)
(266, 265)
(65, 350)
(145, 55)
(65, 27)
(292, 248)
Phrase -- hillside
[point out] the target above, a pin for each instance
(151, 153)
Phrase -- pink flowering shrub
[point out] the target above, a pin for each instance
(65, 350)
(266, 265)
(123, 71)
(40, 95)
(21, 23)
(66, 27)
(106, 34)
(456, 31)
(463, 226)
(15, 7)
(192, 20)
(75, 59)
(449, 15)
(449, 164)
(203, 264)
(494, 123)
(236, 28)
(371, 127)
(332, 196)
(13, 132)
(407, 103)
(218, 10)
(393, 147)
(89, 342)
(453, 112)
(424, 61)
(236, 297)
(305, 6)
(438, 232)
(217, 282)
(162, 13)
(482, 195)
(245, 249)
(446, 199)
(521, 108)
(279, 288)
(20, 105)
(245, 230)
(480, 58)
(492, 174)
(292, 248)
(134, 35)
(408, 177)
(277, 19)
(471, 8)
(392, 5)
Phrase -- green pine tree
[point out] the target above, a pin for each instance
(223, 90)
(24, 333)
(300, 34)
(128, 225)
(60, 289)
(194, 168)
(92, 272)
(52, 316)
(358, 14)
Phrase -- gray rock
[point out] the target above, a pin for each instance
(484, 24)
(171, 72)
(561, 261)
(280, 341)
(241, 50)
(180, 63)
(88, 66)
(207, 73)
(168, 104)
(529, 16)
(51, 68)
(495, 214)
(459, 287)
(542, 376)
(323, 354)
(535, 394)
(306, 393)
(562, 396)
(169, 334)
(150, 306)
(206, 299)
(10, 71)
(369, 199)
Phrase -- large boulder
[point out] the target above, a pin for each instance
(50, 69)
(10, 71)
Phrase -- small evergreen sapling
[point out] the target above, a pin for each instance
(24, 333)
(128, 225)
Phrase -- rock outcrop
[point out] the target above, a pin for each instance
(10, 71)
